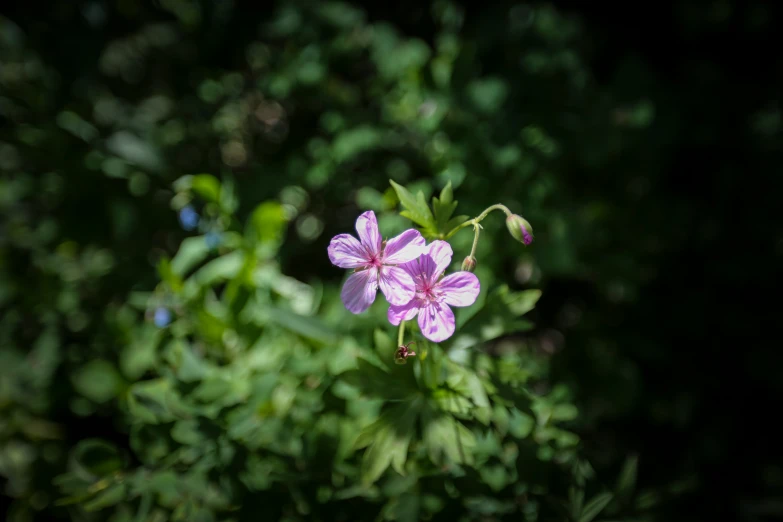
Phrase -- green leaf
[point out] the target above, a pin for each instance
(186, 432)
(443, 208)
(139, 355)
(390, 382)
(595, 506)
(98, 380)
(384, 346)
(448, 440)
(207, 186)
(154, 402)
(192, 251)
(228, 197)
(388, 440)
(168, 276)
(220, 269)
(469, 384)
(520, 424)
(501, 419)
(349, 143)
(564, 412)
(576, 500)
(520, 303)
(626, 481)
(308, 327)
(223, 389)
(452, 401)
(267, 223)
(110, 496)
(188, 366)
(500, 314)
(496, 477)
(487, 94)
(416, 208)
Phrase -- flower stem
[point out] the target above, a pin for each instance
(497, 206)
(401, 333)
(476, 220)
(477, 228)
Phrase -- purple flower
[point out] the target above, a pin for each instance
(162, 317)
(434, 295)
(375, 263)
(188, 218)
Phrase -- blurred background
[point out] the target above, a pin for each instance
(172, 343)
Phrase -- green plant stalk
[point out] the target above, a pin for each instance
(476, 220)
(477, 228)
(401, 334)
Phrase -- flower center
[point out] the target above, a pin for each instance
(375, 261)
(426, 292)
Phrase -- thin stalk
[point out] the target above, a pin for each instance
(477, 227)
(476, 220)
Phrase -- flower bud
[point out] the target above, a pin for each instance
(520, 229)
(402, 354)
(469, 265)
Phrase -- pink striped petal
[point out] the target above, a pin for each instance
(436, 321)
(367, 228)
(440, 252)
(403, 248)
(345, 251)
(359, 290)
(405, 312)
(397, 285)
(459, 289)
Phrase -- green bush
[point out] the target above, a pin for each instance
(173, 342)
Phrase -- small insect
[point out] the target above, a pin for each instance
(403, 352)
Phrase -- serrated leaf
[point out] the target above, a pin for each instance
(451, 401)
(389, 438)
(595, 506)
(499, 314)
(443, 208)
(387, 382)
(416, 208)
(448, 440)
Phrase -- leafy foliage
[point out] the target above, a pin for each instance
(172, 343)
